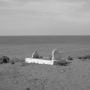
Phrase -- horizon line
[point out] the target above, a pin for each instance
(38, 35)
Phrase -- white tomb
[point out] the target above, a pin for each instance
(55, 57)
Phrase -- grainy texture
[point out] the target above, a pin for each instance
(18, 75)
(75, 76)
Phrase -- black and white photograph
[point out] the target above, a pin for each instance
(44, 44)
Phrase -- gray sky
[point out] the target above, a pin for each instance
(44, 17)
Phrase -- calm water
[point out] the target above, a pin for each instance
(43, 39)
(24, 46)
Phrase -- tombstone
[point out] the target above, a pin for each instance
(35, 55)
(56, 55)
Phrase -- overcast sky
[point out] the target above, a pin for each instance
(44, 17)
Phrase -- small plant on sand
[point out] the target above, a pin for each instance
(80, 57)
(4, 59)
(61, 62)
(70, 58)
(84, 57)
(87, 57)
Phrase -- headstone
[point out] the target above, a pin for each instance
(56, 55)
(35, 55)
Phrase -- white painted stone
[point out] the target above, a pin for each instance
(39, 61)
(56, 55)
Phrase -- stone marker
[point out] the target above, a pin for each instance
(35, 55)
(56, 55)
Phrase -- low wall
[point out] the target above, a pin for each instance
(39, 61)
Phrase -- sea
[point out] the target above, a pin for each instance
(23, 46)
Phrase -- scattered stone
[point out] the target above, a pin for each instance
(12, 62)
(24, 64)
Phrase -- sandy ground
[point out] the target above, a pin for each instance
(75, 76)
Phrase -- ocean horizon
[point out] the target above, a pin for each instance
(44, 39)
(24, 46)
